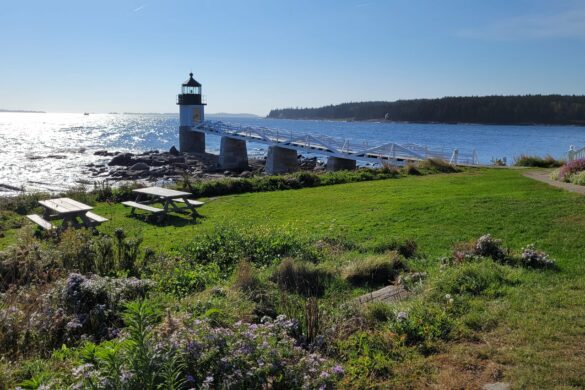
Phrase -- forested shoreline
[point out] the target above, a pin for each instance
(528, 109)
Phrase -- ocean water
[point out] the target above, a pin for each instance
(49, 151)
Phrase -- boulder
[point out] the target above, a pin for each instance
(246, 174)
(103, 153)
(140, 167)
(174, 151)
(121, 159)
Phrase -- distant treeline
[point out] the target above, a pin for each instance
(529, 109)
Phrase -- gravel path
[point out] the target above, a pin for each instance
(544, 176)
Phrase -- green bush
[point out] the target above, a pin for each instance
(367, 356)
(226, 246)
(379, 312)
(578, 178)
(474, 278)
(437, 165)
(547, 161)
(245, 278)
(407, 248)
(296, 180)
(375, 271)
(423, 326)
(181, 277)
(301, 277)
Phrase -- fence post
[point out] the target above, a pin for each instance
(571, 153)
(454, 157)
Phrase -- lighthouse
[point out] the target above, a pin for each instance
(191, 110)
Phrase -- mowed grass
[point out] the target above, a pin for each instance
(437, 211)
(539, 339)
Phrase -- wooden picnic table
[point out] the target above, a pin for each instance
(170, 199)
(72, 212)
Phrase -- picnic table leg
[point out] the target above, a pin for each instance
(86, 221)
(194, 211)
(175, 207)
(138, 198)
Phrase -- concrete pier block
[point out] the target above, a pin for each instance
(191, 141)
(281, 160)
(340, 164)
(233, 154)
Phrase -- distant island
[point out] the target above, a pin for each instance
(23, 111)
(226, 114)
(511, 110)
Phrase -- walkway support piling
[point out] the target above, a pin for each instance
(191, 141)
(281, 160)
(233, 154)
(340, 164)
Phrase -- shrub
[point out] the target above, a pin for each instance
(578, 178)
(536, 259)
(182, 277)
(547, 161)
(407, 249)
(437, 165)
(291, 181)
(367, 356)
(245, 279)
(23, 203)
(487, 246)
(379, 312)
(27, 262)
(226, 246)
(375, 271)
(411, 169)
(75, 308)
(244, 355)
(570, 168)
(423, 326)
(301, 277)
(477, 278)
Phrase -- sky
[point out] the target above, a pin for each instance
(255, 55)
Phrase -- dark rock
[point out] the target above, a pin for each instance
(175, 160)
(246, 174)
(141, 166)
(121, 159)
(104, 153)
(174, 151)
(227, 173)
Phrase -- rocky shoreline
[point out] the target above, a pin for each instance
(154, 166)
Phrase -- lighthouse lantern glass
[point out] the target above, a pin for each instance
(192, 90)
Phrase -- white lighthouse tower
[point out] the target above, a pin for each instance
(191, 109)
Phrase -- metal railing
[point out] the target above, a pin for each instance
(575, 154)
(368, 151)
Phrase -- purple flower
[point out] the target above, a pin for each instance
(337, 370)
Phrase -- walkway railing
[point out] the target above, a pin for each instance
(342, 148)
(575, 154)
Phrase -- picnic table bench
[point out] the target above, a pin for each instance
(170, 199)
(71, 212)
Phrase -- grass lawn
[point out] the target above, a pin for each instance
(539, 338)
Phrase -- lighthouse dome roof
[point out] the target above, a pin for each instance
(191, 82)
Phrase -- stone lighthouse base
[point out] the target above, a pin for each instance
(191, 141)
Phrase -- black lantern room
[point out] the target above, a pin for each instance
(190, 92)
